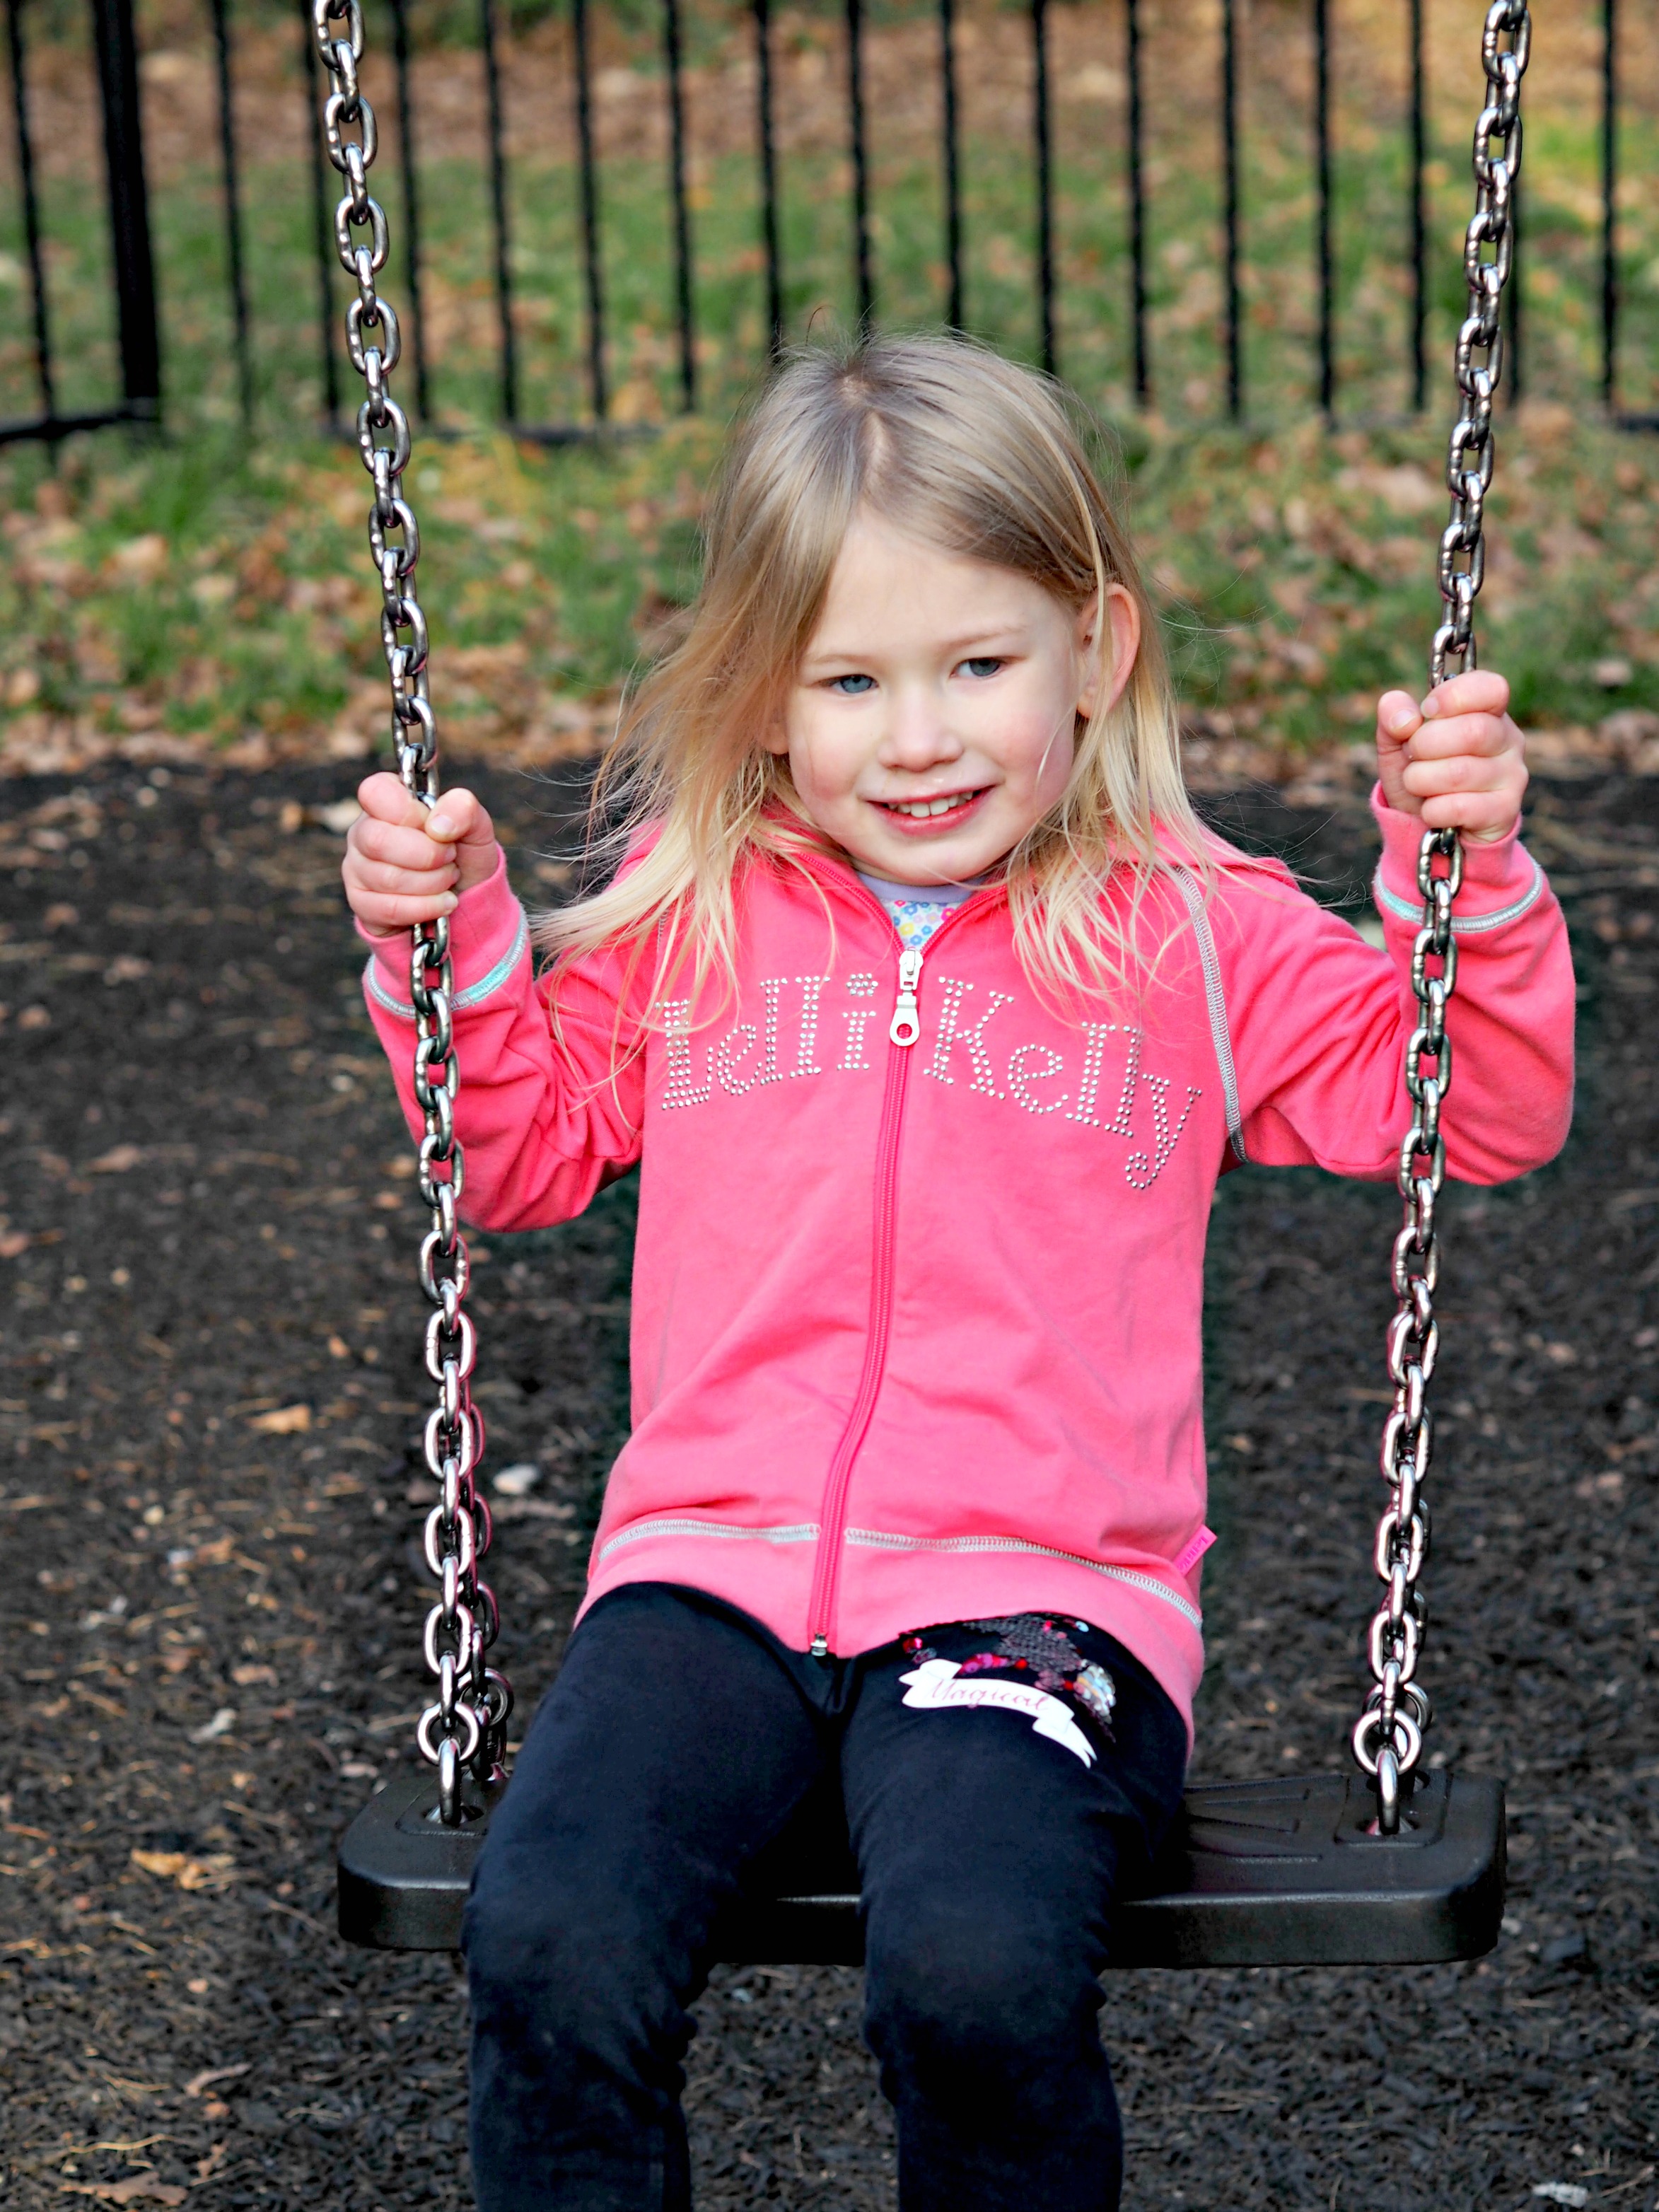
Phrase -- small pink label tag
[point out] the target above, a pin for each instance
(1192, 1550)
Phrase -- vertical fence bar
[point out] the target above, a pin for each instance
(1609, 203)
(1419, 315)
(321, 226)
(1230, 203)
(866, 293)
(233, 209)
(1045, 183)
(31, 212)
(129, 207)
(947, 63)
(670, 31)
(1137, 204)
(507, 344)
(769, 166)
(415, 321)
(1321, 14)
(591, 269)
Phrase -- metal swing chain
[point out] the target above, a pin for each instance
(465, 1728)
(1388, 1737)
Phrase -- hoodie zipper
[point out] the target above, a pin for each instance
(906, 1025)
(903, 1032)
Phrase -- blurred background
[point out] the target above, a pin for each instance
(1234, 226)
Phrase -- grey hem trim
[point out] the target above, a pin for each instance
(1463, 925)
(1216, 998)
(473, 995)
(882, 1540)
(804, 1532)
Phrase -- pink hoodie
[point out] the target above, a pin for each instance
(916, 1327)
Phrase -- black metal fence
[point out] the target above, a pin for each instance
(132, 258)
(116, 50)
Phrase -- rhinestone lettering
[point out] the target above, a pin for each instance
(950, 1032)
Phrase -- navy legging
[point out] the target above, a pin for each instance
(677, 1740)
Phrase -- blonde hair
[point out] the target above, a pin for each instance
(967, 451)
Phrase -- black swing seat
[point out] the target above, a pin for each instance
(1281, 1872)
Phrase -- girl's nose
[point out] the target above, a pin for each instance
(917, 736)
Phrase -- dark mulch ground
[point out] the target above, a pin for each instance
(211, 1615)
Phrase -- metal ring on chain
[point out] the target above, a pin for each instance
(465, 1732)
(1388, 1737)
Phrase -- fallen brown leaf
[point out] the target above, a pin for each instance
(286, 1421)
(213, 1873)
(117, 1160)
(214, 1555)
(126, 2193)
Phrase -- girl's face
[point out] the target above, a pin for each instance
(932, 721)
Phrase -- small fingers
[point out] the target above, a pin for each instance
(383, 799)
(395, 874)
(1467, 772)
(1463, 771)
(397, 845)
(1487, 735)
(382, 876)
(387, 912)
(463, 823)
(1480, 815)
(1457, 761)
(458, 818)
(1397, 715)
(1477, 691)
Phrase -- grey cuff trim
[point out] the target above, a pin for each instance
(473, 995)
(1464, 925)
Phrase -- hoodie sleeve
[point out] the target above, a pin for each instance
(1319, 1018)
(550, 1106)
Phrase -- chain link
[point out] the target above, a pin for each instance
(1388, 1737)
(464, 1731)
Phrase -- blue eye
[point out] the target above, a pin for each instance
(984, 664)
(851, 687)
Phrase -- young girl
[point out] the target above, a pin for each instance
(930, 1014)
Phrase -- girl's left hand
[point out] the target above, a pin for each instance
(1457, 761)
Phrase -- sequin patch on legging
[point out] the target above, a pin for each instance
(937, 1687)
(1038, 1647)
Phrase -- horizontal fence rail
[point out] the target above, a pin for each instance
(1079, 305)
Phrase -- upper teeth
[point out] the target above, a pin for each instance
(923, 806)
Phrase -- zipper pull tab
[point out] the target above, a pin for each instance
(906, 1024)
(820, 1645)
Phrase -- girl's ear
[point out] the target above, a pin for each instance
(1122, 643)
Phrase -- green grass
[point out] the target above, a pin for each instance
(1561, 258)
(203, 587)
(214, 585)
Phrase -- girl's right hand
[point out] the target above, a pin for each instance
(403, 864)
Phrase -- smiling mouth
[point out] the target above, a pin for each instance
(925, 809)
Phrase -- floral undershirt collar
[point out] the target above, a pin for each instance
(918, 909)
